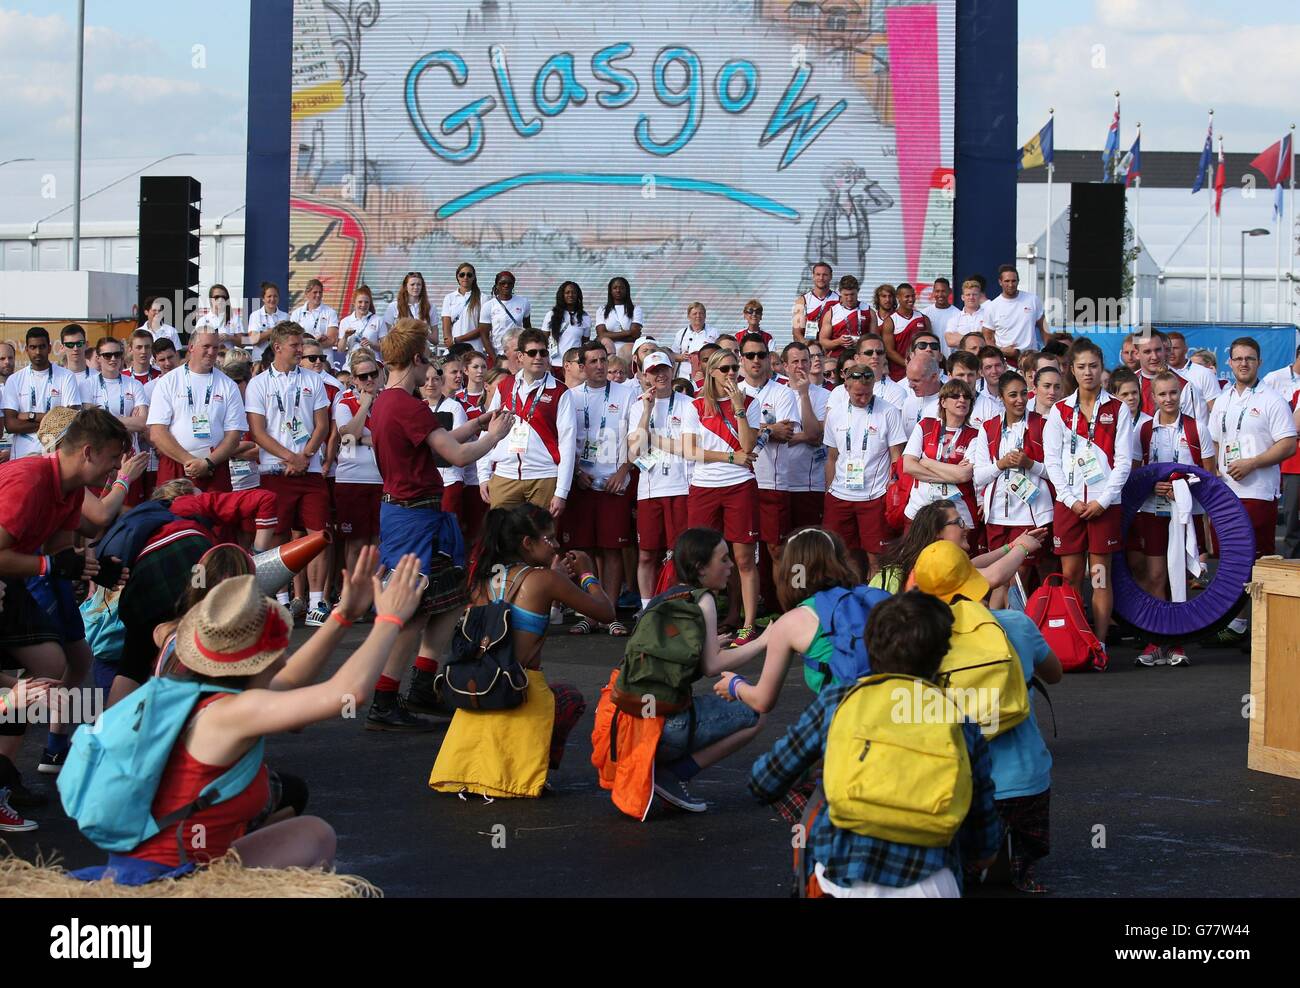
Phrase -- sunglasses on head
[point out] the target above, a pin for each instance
(535, 353)
(367, 377)
(755, 354)
(860, 375)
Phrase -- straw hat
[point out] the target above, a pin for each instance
(53, 425)
(234, 631)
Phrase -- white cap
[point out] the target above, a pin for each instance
(656, 359)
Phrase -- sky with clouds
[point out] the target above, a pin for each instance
(149, 91)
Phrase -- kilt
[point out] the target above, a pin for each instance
(152, 595)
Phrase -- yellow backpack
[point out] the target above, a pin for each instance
(982, 673)
(896, 764)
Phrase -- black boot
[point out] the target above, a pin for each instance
(20, 797)
(423, 696)
(388, 713)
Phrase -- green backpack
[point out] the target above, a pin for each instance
(662, 658)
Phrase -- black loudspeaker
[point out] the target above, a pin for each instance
(169, 244)
(1096, 272)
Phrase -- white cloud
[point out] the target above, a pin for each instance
(1154, 15)
(145, 88)
(27, 34)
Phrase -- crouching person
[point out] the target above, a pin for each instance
(876, 833)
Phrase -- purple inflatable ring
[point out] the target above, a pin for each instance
(1211, 609)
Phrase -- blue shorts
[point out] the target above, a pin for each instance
(58, 601)
(715, 719)
(422, 531)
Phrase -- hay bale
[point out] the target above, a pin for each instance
(225, 878)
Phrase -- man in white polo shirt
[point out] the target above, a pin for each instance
(1255, 431)
(1016, 316)
(288, 416)
(122, 396)
(1207, 383)
(196, 419)
(805, 465)
(941, 312)
(862, 441)
(158, 327)
(33, 391)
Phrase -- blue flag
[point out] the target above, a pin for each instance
(1110, 152)
(1203, 166)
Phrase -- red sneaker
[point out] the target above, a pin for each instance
(10, 820)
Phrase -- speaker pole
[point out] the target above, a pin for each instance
(76, 143)
(1136, 319)
(1047, 279)
(1209, 224)
(1218, 265)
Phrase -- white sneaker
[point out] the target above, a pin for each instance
(1177, 657)
(557, 614)
(674, 790)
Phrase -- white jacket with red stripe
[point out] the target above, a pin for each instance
(552, 436)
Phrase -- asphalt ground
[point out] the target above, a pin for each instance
(1150, 797)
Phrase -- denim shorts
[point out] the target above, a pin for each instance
(715, 719)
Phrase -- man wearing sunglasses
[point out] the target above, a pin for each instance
(805, 465)
(33, 391)
(72, 339)
(862, 440)
(774, 412)
(122, 396)
(871, 348)
(535, 461)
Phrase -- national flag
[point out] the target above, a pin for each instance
(1130, 166)
(1110, 152)
(1274, 164)
(1203, 165)
(1038, 149)
(1218, 183)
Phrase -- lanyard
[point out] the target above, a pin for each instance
(866, 432)
(49, 386)
(1175, 427)
(279, 395)
(604, 413)
(207, 399)
(535, 401)
(1074, 432)
(668, 419)
(1006, 474)
(1223, 422)
(121, 394)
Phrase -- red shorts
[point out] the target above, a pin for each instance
(1002, 535)
(1263, 519)
(773, 516)
(1149, 534)
(472, 512)
(169, 469)
(659, 520)
(301, 503)
(453, 496)
(1071, 535)
(596, 520)
(806, 509)
(733, 511)
(357, 507)
(861, 524)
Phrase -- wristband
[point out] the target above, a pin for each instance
(731, 456)
(126, 486)
(735, 682)
(390, 619)
(211, 466)
(338, 616)
(43, 564)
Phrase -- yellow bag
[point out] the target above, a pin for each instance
(982, 673)
(897, 767)
(499, 752)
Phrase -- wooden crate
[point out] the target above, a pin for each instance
(1275, 667)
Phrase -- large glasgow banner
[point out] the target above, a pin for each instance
(704, 150)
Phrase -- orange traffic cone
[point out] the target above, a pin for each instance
(276, 568)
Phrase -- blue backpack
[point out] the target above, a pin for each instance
(126, 537)
(114, 766)
(843, 618)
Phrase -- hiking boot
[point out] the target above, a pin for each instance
(1177, 657)
(1148, 656)
(10, 820)
(674, 791)
(51, 763)
(392, 715)
(423, 697)
(318, 615)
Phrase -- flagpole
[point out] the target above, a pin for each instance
(1218, 279)
(1135, 319)
(1209, 223)
(1047, 279)
(1290, 237)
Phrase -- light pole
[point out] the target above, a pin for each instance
(1259, 231)
(76, 148)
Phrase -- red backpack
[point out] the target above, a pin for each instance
(896, 496)
(1057, 609)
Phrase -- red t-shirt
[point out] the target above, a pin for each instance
(32, 503)
(399, 425)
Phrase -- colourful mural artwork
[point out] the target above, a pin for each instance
(704, 150)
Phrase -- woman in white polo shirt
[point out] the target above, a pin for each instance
(362, 327)
(220, 317)
(619, 320)
(318, 319)
(567, 325)
(504, 311)
(412, 302)
(357, 483)
(462, 312)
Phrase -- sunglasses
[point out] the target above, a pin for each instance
(366, 377)
(76, 345)
(224, 298)
(753, 312)
(464, 274)
(869, 353)
(313, 357)
(535, 353)
(110, 355)
(755, 355)
(928, 345)
(729, 368)
(860, 375)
